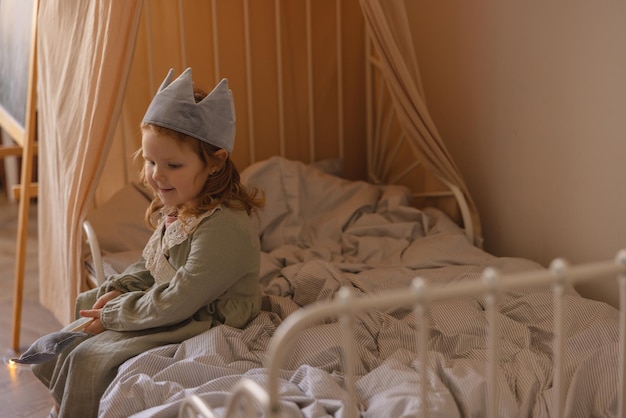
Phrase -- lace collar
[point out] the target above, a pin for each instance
(157, 251)
(180, 229)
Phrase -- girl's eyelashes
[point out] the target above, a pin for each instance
(169, 165)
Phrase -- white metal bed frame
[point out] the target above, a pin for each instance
(378, 112)
(250, 399)
(249, 66)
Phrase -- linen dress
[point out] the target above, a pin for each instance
(193, 275)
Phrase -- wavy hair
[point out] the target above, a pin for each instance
(222, 188)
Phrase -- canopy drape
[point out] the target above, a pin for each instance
(388, 26)
(84, 54)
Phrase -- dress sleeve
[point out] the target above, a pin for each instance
(222, 251)
(136, 277)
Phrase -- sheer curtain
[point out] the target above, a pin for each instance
(84, 54)
(388, 26)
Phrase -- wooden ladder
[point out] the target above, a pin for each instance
(26, 147)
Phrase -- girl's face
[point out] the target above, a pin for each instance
(172, 168)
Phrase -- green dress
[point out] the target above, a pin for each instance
(193, 275)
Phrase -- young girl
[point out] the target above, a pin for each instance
(200, 267)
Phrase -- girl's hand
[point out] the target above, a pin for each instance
(95, 326)
(102, 300)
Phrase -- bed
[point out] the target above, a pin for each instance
(322, 236)
(369, 232)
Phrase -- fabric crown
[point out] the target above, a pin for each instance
(211, 120)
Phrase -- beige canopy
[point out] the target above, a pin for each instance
(99, 64)
(84, 53)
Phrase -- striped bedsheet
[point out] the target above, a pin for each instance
(320, 233)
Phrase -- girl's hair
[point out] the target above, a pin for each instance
(222, 188)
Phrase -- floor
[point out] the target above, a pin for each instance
(21, 394)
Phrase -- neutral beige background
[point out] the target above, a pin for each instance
(531, 99)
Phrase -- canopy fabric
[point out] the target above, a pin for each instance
(389, 29)
(84, 53)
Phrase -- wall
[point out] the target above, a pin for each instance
(531, 99)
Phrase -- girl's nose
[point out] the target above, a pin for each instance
(157, 174)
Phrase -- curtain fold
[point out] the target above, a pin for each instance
(389, 30)
(84, 53)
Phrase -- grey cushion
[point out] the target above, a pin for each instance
(48, 347)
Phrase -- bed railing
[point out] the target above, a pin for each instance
(303, 124)
(95, 253)
(252, 400)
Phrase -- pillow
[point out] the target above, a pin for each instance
(305, 205)
(332, 166)
(119, 222)
(47, 347)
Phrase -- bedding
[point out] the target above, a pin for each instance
(319, 233)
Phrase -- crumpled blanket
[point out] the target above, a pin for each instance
(320, 233)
